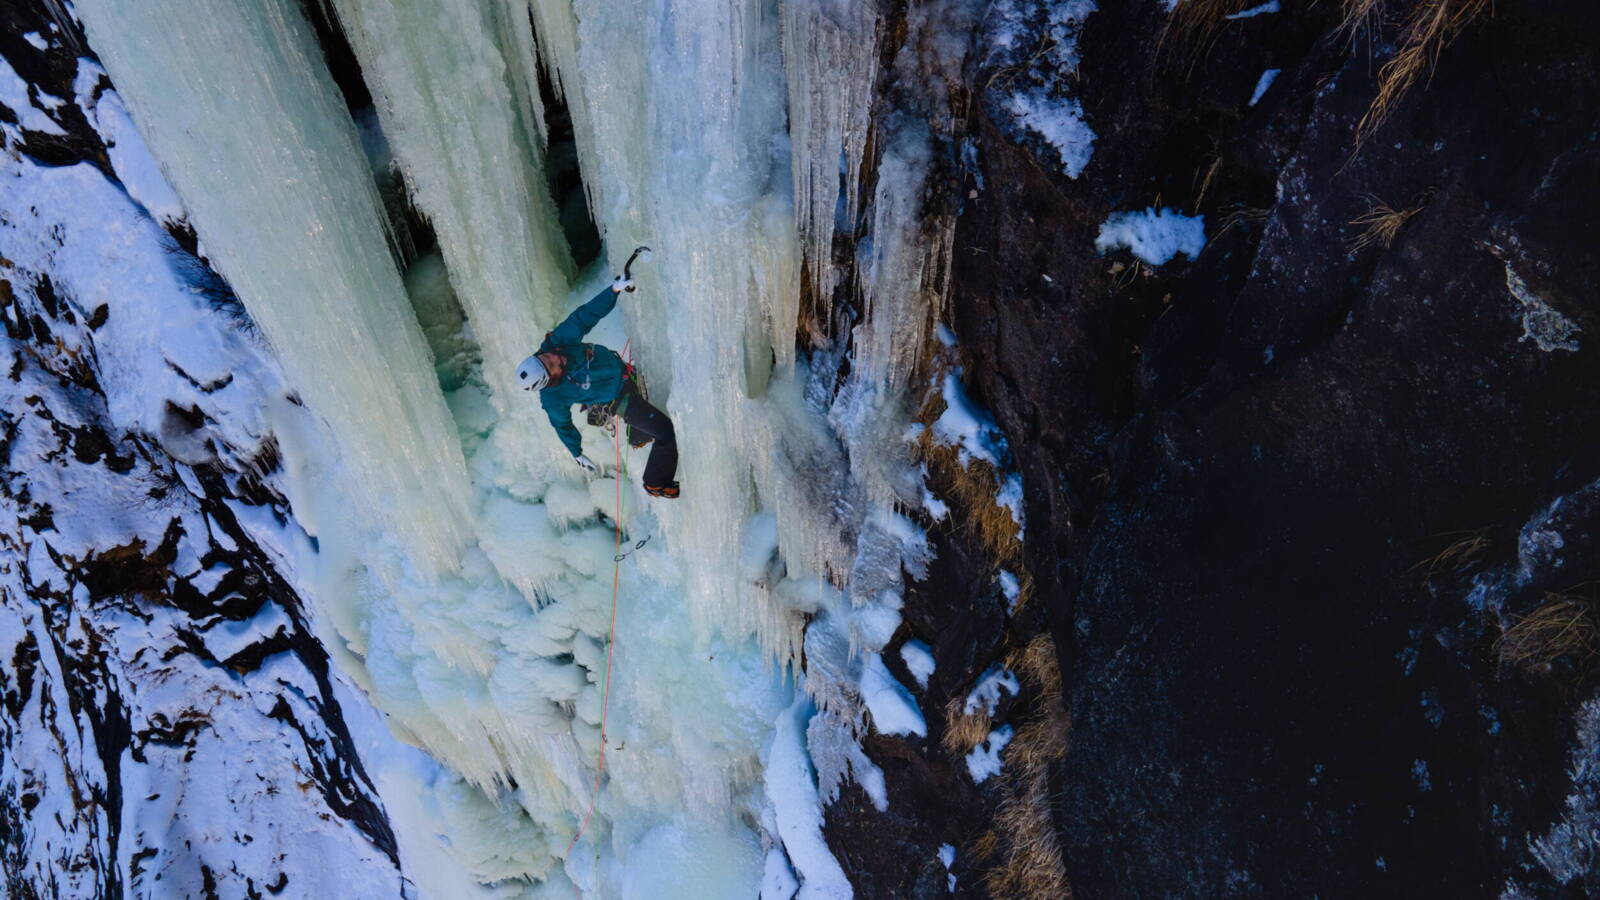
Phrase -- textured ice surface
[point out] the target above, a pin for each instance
(462, 572)
(444, 77)
(237, 105)
(1568, 849)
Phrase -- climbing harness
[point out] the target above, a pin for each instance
(606, 416)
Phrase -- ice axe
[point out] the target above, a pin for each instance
(639, 252)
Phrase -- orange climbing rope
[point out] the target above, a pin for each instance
(611, 640)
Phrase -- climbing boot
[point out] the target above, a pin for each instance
(668, 490)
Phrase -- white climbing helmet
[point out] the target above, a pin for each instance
(532, 374)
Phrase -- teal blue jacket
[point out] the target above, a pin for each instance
(594, 373)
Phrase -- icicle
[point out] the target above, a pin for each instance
(683, 149)
(297, 228)
(556, 39)
(445, 98)
(514, 29)
(830, 51)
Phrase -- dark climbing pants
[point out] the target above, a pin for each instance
(662, 466)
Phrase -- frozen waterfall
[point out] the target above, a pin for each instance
(462, 568)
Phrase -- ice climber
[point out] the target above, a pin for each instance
(566, 371)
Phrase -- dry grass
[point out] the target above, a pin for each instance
(973, 487)
(1460, 555)
(1564, 625)
(1243, 216)
(1359, 16)
(1380, 224)
(963, 730)
(983, 847)
(1206, 179)
(1197, 22)
(1430, 26)
(1037, 663)
(1032, 865)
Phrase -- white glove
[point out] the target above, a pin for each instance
(587, 463)
(621, 284)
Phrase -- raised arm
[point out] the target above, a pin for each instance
(574, 327)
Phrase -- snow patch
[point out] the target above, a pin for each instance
(984, 761)
(1542, 323)
(967, 426)
(777, 877)
(1011, 588)
(1038, 100)
(14, 95)
(1571, 848)
(919, 661)
(894, 710)
(1059, 121)
(1154, 236)
(991, 687)
(791, 788)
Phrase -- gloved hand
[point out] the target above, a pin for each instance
(621, 284)
(587, 463)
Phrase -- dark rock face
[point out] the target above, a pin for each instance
(1241, 471)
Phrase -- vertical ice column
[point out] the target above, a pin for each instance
(461, 125)
(236, 102)
(685, 151)
(556, 49)
(904, 270)
(830, 52)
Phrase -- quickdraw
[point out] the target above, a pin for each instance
(636, 548)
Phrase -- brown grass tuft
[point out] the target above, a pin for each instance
(963, 730)
(1198, 21)
(984, 846)
(1563, 625)
(1242, 216)
(1380, 224)
(1206, 179)
(1033, 865)
(973, 486)
(1459, 555)
(1037, 663)
(1431, 25)
(1359, 16)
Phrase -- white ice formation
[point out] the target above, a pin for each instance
(459, 568)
